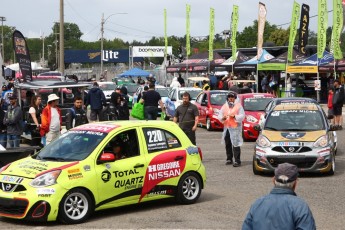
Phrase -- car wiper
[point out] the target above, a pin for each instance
(53, 158)
(270, 128)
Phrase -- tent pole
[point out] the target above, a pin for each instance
(257, 78)
(317, 78)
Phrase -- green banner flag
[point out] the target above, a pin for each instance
(293, 29)
(234, 24)
(188, 29)
(210, 44)
(322, 27)
(165, 33)
(337, 28)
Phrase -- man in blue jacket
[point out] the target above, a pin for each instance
(281, 209)
(96, 99)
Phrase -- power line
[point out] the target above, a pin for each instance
(288, 23)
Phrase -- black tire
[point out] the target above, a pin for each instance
(331, 172)
(189, 188)
(75, 207)
(208, 124)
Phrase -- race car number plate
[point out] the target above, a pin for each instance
(288, 143)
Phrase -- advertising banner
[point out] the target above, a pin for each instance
(22, 55)
(151, 51)
(188, 29)
(322, 27)
(293, 29)
(261, 28)
(337, 28)
(303, 29)
(234, 25)
(211, 37)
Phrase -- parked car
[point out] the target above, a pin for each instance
(175, 98)
(209, 103)
(299, 134)
(82, 171)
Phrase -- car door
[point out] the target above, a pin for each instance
(121, 181)
(166, 159)
(202, 107)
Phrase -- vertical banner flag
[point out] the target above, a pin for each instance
(293, 29)
(322, 27)
(22, 55)
(337, 28)
(188, 29)
(261, 28)
(234, 24)
(165, 33)
(343, 14)
(210, 44)
(303, 29)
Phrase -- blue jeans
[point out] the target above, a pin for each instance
(151, 112)
(3, 139)
(13, 140)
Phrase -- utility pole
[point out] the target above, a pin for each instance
(3, 19)
(62, 44)
(102, 33)
(43, 62)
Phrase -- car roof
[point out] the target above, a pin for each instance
(295, 100)
(296, 107)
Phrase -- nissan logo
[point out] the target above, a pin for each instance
(291, 149)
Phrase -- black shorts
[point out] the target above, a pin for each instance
(337, 110)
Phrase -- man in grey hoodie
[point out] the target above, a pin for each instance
(14, 121)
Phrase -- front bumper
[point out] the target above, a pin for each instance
(306, 158)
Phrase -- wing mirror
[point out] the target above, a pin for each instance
(257, 127)
(106, 157)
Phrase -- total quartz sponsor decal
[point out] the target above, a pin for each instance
(128, 179)
(163, 167)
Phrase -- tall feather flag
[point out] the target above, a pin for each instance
(210, 43)
(322, 27)
(337, 28)
(188, 29)
(234, 24)
(165, 33)
(303, 29)
(261, 28)
(293, 29)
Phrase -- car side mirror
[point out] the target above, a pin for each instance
(106, 157)
(257, 127)
(173, 99)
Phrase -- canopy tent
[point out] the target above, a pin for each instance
(240, 57)
(329, 67)
(251, 64)
(197, 63)
(135, 72)
(310, 64)
(279, 63)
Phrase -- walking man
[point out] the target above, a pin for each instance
(13, 120)
(187, 115)
(338, 101)
(231, 115)
(96, 99)
(281, 209)
(51, 119)
(76, 115)
(151, 99)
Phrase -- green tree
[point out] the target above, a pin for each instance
(280, 37)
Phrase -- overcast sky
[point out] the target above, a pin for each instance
(144, 18)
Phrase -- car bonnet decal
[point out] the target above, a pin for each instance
(104, 128)
(162, 167)
(292, 135)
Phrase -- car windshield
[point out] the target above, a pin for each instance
(218, 98)
(295, 120)
(107, 86)
(163, 92)
(193, 93)
(256, 103)
(74, 145)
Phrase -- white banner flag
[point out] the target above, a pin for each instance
(150, 51)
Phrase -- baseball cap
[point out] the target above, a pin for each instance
(232, 94)
(286, 173)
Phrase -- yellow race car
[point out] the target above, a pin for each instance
(102, 165)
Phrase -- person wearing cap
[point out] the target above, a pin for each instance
(14, 121)
(51, 120)
(231, 115)
(338, 101)
(96, 99)
(281, 209)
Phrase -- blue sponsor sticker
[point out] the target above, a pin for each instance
(192, 150)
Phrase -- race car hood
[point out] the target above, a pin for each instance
(30, 168)
(255, 114)
(293, 136)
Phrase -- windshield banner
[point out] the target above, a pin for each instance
(22, 55)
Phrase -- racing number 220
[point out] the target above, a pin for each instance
(154, 136)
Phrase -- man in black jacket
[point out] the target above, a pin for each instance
(338, 101)
(96, 99)
(76, 115)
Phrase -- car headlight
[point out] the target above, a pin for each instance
(263, 142)
(215, 111)
(251, 119)
(321, 142)
(46, 179)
